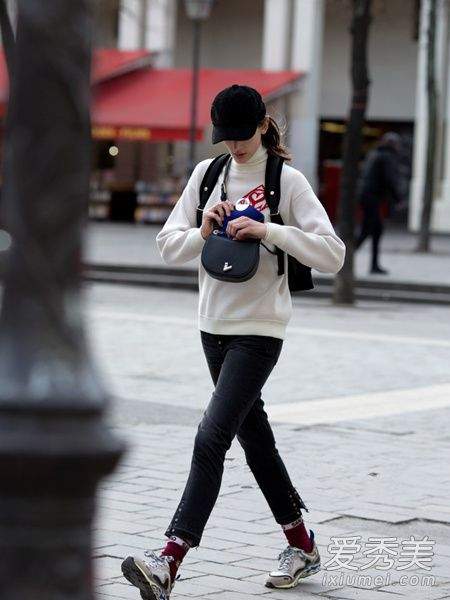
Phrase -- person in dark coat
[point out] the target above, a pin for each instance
(380, 178)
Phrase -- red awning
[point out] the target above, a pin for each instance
(154, 104)
(106, 64)
(134, 101)
(110, 63)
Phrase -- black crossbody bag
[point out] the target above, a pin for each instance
(238, 260)
(223, 258)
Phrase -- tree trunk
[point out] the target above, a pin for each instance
(428, 192)
(343, 292)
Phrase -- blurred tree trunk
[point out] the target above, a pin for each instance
(343, 292)
(428, 191)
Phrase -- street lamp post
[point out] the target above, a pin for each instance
(197, 11)
(143, 24)
(54, 446)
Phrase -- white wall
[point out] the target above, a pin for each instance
(440, 218)
(231, 39)
(392, 61)
(153, 30)
(232, 36)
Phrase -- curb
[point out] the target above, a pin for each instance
(175, 278)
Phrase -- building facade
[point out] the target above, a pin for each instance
(312, 36)
(441, 202)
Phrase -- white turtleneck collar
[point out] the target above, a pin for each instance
(254, 163)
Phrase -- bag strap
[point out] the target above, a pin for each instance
(272, 186)
(208, 183)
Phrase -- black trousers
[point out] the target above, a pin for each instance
(239, 367)
(372, 226)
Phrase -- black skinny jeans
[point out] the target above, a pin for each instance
(372, 226)
(239, 367)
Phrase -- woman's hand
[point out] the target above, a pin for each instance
(244, 228)
(215, 215)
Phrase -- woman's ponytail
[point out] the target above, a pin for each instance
(271, 140)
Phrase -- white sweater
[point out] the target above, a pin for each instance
(262, 305)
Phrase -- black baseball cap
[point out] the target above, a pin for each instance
(236, 112)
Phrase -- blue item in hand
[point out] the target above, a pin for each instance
(250, 211)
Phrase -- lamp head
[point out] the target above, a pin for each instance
(198, 10)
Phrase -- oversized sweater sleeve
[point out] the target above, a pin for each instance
(308, 234)
(180, 240)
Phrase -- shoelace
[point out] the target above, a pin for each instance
(157, 561)
(286, 557)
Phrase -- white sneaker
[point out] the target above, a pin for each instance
(295, 564)
(151, 575)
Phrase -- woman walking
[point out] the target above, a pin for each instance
(242, 327)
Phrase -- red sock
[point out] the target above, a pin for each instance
(178, 550)
(297, 535)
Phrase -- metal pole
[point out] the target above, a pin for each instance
(194, 98)
(137, 145)
(54, 447)
(143, 24)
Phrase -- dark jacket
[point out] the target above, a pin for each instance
(380, 177)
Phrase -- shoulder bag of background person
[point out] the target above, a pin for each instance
(238, 260)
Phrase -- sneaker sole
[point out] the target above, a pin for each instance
(305, 573)
(150, 590)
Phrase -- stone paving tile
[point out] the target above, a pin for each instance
(232, 585)
(122, 526)
(194, 588)
(214, 543)
(120, 551)
(107, 568)
(228, 596)
(442, 550)
(258, 563)
(257, 528)
(126, 507)
(139, 541)
(430, 592)
(246, 516)
(124, 591)
(220, 533)
(416, 593)
(140, 498)
(252, 551)
(201, 553)
(284, 595)
(224, 570)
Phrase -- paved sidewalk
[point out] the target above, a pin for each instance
(123, 244)
(364, 437)
(378, 477)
